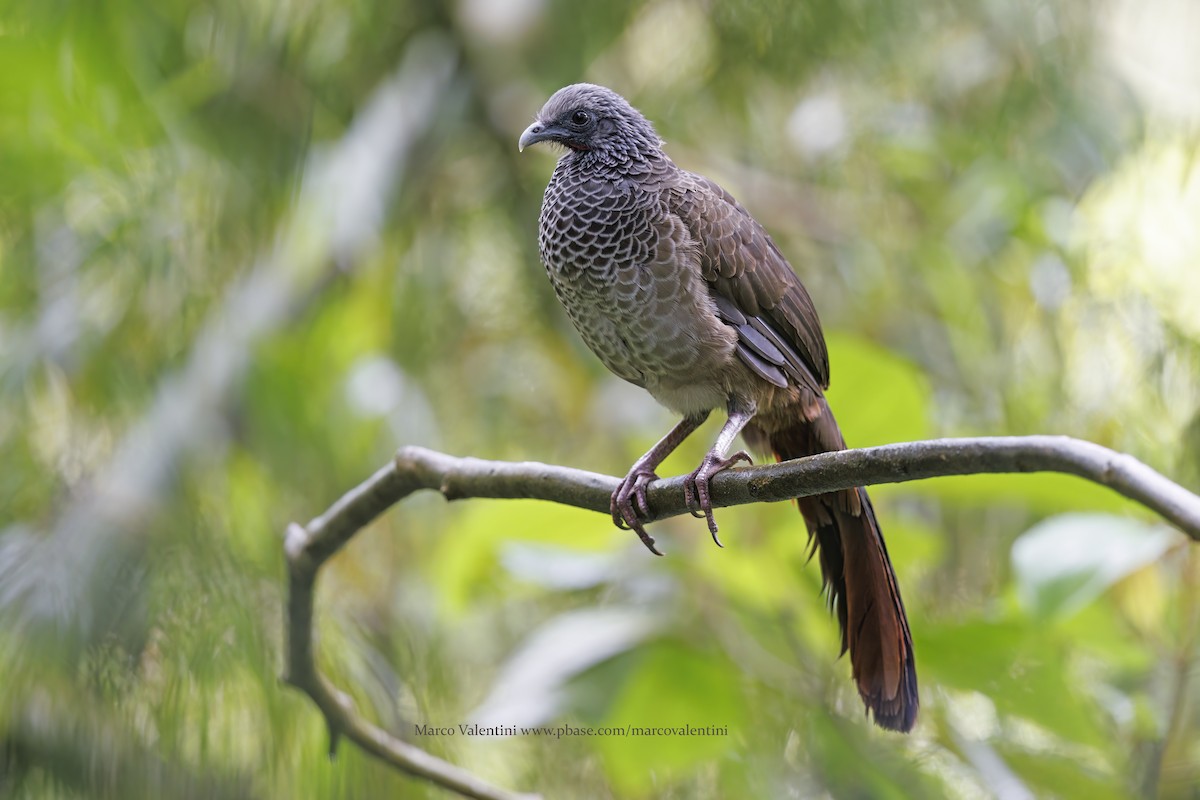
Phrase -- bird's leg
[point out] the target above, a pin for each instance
(697, 489)
(628, 504)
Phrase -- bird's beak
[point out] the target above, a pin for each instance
(537, 132)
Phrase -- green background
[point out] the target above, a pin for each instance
(994, 205)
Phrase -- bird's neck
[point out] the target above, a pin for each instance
(606, 163)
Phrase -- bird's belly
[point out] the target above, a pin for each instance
(650, 333)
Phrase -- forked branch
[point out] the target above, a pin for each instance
(415, 468)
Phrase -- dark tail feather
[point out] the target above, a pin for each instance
(859, 580)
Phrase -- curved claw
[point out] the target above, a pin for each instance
(646, 538)
(697, 490)
(628, 505)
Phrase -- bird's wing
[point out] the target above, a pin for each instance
(753, 287)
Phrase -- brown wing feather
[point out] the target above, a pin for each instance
(779, 337)
(741, 264)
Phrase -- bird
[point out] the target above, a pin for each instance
(677, 289)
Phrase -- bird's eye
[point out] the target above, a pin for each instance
(581, 118)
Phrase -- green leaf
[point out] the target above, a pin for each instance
(1060, 776)
(1043, 493)
(877, 396)
(1064, 563)
(678, 687)
(470, 551)
(1020, 667)
(531, 687)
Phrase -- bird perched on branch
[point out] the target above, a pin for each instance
(677, 289)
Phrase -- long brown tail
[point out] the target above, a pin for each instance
(859, 579)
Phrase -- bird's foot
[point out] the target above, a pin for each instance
(697, 489)
(629, 505)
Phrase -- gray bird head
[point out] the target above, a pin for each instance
(592, 119)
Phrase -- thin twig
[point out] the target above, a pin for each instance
(416, 468)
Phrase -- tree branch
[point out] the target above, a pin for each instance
(415, 468)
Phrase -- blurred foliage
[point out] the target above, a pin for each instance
(994, 205)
